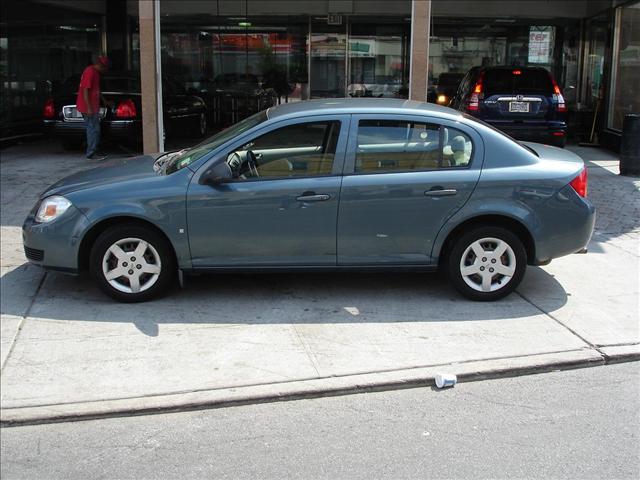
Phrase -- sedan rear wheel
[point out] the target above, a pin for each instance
(132, 263)
(487, 263)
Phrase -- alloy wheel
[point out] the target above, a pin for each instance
(131, 265)
(488, 264)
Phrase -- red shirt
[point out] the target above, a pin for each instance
(91, 80)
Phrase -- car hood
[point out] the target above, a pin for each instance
(109, 172)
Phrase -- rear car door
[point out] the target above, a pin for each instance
(283, 212)
(404, 177)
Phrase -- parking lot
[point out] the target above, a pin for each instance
(67, 348)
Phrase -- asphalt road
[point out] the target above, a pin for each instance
(573, 424)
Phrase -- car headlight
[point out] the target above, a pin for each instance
(51, 208)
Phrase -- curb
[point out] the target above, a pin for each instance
(316, 388)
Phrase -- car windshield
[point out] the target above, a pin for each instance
(186, 157)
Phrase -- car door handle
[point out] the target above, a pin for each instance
(312, 197)
(440, 192)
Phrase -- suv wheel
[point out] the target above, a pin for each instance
(132, 263)
(487, 263)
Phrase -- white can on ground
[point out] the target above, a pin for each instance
(444, 380)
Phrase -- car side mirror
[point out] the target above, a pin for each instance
(216, 175)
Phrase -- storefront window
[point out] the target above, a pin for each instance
(240, 64)
(597, 36)
(42, 45)
(328, 59)
(624, 96)
(377, 63)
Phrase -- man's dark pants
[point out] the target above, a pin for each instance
(92, 125)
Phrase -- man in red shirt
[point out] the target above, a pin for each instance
(88, 103)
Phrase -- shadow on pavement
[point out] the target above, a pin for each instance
(322, 298)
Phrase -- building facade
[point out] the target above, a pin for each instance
(242, 54)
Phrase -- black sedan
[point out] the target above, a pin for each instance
(121, 121)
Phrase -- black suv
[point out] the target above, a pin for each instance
(524, 102)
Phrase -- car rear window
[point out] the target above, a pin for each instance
(517, 81)
(120, 84)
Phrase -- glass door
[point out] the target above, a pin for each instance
(377, 63)
(328, 59)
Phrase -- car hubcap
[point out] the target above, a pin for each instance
(131, 265)
(488, 264)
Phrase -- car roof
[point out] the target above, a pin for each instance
(332, 106)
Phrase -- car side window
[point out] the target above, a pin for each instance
(457, 148)
(402, 146)
(299, 150)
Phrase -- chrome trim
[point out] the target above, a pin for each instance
(66, 111)
(516, 99)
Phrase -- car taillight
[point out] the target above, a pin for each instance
(49, 110)
(126, 109)
(476, 95)
(579, 184)
(558, 98)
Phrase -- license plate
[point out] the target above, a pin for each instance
(72, 113)
(519, 107)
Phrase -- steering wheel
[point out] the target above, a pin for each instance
(252, 162)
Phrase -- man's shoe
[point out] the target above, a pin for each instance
(97, 156)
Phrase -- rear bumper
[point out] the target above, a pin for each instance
(568, 227)
(551, 132)
(120, 130)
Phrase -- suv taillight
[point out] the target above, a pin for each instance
(126, 109)
(476, 95)
(49, 110)
(558, 98)
(580, 183)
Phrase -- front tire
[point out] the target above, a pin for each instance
(132, 263)
(487, 263)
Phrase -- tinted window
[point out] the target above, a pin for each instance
(533, 81)
(120, 84)
(400, 146)
(304, 149)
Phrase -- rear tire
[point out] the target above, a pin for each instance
(487, 263)
(132, 263)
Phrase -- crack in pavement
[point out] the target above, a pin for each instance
(22, 320)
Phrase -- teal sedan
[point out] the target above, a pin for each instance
(340, 184)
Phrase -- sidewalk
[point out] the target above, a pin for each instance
(69, 351)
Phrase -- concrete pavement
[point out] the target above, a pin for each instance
(67, 350)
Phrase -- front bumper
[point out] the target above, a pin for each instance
(55, 245)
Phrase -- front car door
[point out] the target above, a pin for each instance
(283, 211)
(404, 177)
